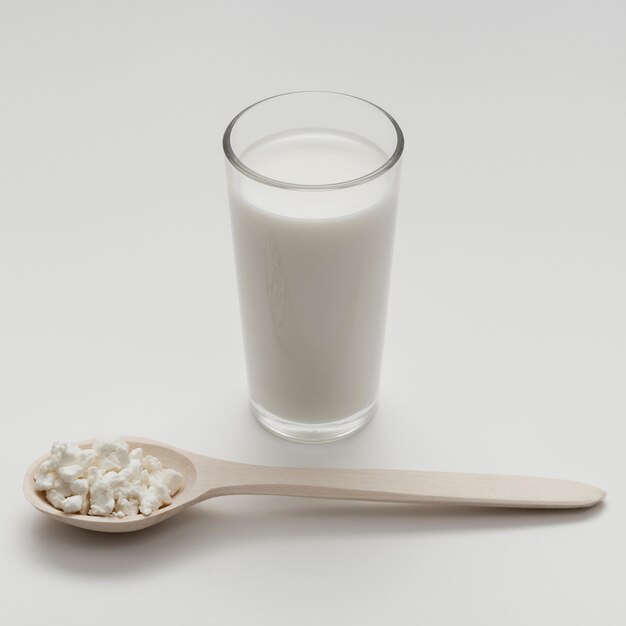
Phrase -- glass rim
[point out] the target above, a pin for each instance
(250, 173)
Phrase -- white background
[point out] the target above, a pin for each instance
(506, 342)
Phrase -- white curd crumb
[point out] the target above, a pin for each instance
(45, 481)
(93, 475)
(160, 490)
(173, 480)
(148, 502)
(87, 457)
(69, 473)
(151, 463)
(111, 454)
(62, 487)
(80, 486)
(127, 506)
(73, 504)
(102, 501)
(136, 454)
(106, 480)
(55, 498)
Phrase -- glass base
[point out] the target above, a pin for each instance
(304, 432)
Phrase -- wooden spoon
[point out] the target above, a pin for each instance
(205, 478)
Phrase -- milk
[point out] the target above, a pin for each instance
(313, 273)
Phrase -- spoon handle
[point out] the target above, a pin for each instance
(406, 486)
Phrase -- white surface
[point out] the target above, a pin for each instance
(506, 342)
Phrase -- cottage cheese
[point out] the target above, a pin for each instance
(107, 479)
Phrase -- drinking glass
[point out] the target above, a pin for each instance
(313, 184)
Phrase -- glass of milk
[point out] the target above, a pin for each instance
(313, 183)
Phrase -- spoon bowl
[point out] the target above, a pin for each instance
(170, 457)
(205, 477)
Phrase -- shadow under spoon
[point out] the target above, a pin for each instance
(205, 477)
